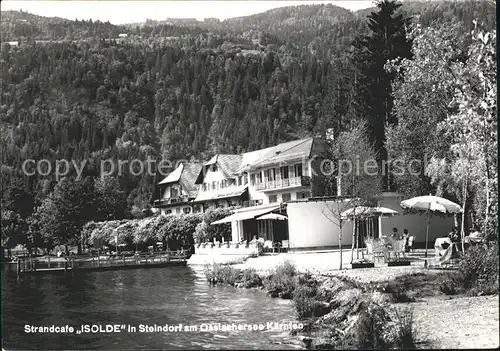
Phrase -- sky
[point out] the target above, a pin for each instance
(118, 12)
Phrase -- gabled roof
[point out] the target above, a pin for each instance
(185, 174)
(227, 164)
(173, 176)
(233, 165)
(188, 178)
(291, 150)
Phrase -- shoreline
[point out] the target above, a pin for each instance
(410, 288)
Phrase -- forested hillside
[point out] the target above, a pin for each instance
(184, 89)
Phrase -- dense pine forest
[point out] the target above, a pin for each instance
(186, 89)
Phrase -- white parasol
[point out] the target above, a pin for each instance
(430, 204)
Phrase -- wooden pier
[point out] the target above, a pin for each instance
(100, 263)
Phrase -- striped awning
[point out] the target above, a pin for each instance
(240, 216)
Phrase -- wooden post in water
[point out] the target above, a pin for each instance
(48, 261)
(34, 266)
(18, 266)
(123, 259)
(65, 267)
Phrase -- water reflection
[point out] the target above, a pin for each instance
(133, 297)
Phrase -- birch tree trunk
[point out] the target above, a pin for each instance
(353, 238)
(340, 242)
(462, 230)
(487, 209)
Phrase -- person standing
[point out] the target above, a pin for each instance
(454, 235)
(395, 234)
(406, 237)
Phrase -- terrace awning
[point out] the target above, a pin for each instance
(240, 216)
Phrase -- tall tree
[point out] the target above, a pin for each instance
(422, 101)
(64, 212)
(387, 40)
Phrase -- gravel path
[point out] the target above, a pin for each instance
(328, 263)
(463, 322)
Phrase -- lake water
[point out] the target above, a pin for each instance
(155, 296)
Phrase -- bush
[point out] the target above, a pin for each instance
(282, 280)
(250, 278)
(398, 293)
(205, 232)
(449, 286)
(403, 336)
(306, 302)
(369, 331)
(286, 268)
(478, 271)
(217, 273)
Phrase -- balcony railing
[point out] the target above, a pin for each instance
(284, 183)
(251, 203)
(171, 201)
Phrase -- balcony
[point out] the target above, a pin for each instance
(284, 183)
(252, 203)
(171, 201)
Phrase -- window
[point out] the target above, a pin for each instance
(223, 183)
(177, 210)
(252, 179)
(284, 172)
(174, 192)
(270, 174)
(186, 210)
(245, 178)
(213, 185)
(258, 177)
(204, 186)
(298, 170)
(286, 197)
(167, 212)
(273, 199)
(303, 194)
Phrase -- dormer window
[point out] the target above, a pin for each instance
(213, 168)
(174, 192)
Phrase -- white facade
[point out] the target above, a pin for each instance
(311, 224)
(280, 183)
(415, 223)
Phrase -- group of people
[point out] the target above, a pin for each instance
(406, 236)
(474, 235)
